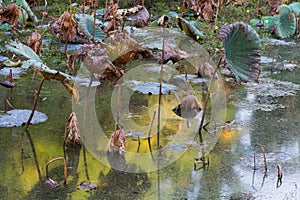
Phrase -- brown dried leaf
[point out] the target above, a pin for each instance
(97, 62)
(139, 19)
(90, 3)
(274, 4)
(205, 71)
(207, 11)
(10, 14)
(122, 49)
(67, 29)
(35, 43)
(172, 53)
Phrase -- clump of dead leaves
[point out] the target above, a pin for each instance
(72, 133)
(66, 27)
(10, 14)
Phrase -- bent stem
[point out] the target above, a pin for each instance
(149, 133)
(35, 104)
(65, 168)
(265, 158)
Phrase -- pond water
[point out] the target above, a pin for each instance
(238, 117)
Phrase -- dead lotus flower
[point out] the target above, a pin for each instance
(117, 141)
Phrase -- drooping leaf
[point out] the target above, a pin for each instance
(286, 23)
(35, 43)
(295, 7)
(242, 51)
(45, 71)
(21, 49)
(87, 25)
(190, 29)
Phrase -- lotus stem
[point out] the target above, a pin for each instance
(160, 89)
(217, 15)
(65, 168)
(206, 101)
(11, 80)
(35, 103)
(150, 129)
(279, 179)
(34, 154)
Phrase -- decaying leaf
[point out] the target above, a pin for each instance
(10, 14)
(7, 84)
(72, 133)
(45, 71)
(90, 3)
(172, 53)
(138, 15)
(122, 49)
(274, 5)
(203, 8)
(117, 141)
(242, 51)
(99, 63)
(139, 18)
(66, 27)
(35, 43)
(189, 29)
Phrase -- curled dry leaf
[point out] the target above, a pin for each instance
(203, 8)
(72, 133)
(10, 14)
(99, 63)
(122, 49)
(35, 43)
(172, 53)
(67, 29)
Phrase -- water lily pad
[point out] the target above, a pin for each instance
(153, 88)
(17, 117)
(16, 71)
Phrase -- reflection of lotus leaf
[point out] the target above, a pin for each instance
(286, 23)
(18, 117)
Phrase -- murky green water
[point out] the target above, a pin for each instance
(230, 173)
(266, 113)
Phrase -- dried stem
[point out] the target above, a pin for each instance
(150, 129)
(160, 89)
(217, 15)
(35, 103)
(11, 80)
(265, 159)
(65, 168)
(279, 179)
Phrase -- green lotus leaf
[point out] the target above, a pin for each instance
(242, 51)
(286, 23)
(87, 26)
(189, 29)
(295, 7)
